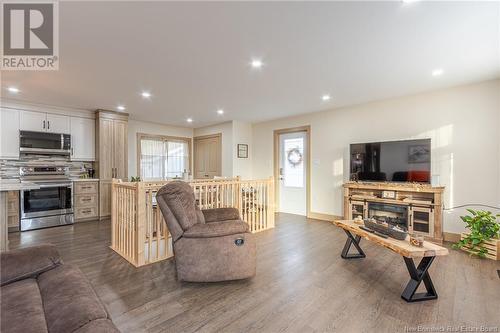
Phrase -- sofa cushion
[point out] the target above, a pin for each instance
(28, 262)
(22, 308)
(69, 300)
(216, 229)
(179, 197)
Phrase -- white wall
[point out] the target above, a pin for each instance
(463, 123)
(135, 126)
(242, 134)
(226, 129)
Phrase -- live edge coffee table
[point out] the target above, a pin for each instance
(428, 252)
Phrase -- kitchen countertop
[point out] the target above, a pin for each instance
(16, 185)
(85, 179)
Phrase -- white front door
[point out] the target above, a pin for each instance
(292, 173)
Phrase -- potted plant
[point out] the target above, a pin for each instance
(482, 239)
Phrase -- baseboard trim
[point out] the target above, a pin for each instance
(323, 217)
(451, 237)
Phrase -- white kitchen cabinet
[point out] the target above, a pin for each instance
(44, 122)
(33, 121)
(82, 139)
(9, 134)
(58, 123)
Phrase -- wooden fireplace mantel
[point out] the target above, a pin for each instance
(424, 203)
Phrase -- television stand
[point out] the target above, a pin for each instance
(416, 207)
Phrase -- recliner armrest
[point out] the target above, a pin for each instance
(28, 262)
(220, 214)
(216, 229)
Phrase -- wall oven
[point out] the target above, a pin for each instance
(44, 143)
(51, 204)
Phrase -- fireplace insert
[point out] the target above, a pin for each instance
(395, 215)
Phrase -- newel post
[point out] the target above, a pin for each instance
(141, 222)
(272, 201)
(113, 214)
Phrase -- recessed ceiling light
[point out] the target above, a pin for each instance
(220, 111)
(146, 94)
(189, 120)
(437, 72)
(121, 108)
(325, 97)
(256, 63)
(409, 1)
(13, 90)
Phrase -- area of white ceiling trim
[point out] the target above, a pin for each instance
(195, 57)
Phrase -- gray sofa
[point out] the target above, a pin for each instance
(40, 294)
(210, 245)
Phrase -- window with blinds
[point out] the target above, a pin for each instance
(163, 157)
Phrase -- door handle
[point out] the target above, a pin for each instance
(44, 124)
(48, 124)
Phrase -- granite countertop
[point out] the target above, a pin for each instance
(85, 179)
(16, 185)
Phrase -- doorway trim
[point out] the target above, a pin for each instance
(277, 132)
(201, 137)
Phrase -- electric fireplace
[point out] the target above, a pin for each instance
(395, 215)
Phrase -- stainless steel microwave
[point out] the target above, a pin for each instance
(44, 143)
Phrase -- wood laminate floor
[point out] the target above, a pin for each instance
(302, 285)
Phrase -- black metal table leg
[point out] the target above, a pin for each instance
(417, 275)
(352, 240)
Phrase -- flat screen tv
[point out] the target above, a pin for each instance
(393, 161)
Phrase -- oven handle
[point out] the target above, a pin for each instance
(56, 185)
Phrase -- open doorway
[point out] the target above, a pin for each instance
(292, 170)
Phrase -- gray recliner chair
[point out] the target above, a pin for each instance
(209, 245)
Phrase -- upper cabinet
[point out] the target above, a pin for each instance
(9, 134)
(33, 121)
(57, 123)
(82, 139)
(44, 122)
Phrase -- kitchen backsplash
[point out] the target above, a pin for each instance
(10, 169)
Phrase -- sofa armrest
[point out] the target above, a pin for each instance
(28, 262)
(221, 214)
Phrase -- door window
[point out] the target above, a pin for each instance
(293, 162)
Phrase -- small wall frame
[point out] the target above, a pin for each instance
(242, 150)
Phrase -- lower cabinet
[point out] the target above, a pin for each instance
(104, 199)
(13, 210)
(86, 200)
(358, 210)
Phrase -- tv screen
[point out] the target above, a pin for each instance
(393, 161)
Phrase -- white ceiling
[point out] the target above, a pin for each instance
(194, 57)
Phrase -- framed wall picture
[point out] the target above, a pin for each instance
(419, 154)
(242, 150)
